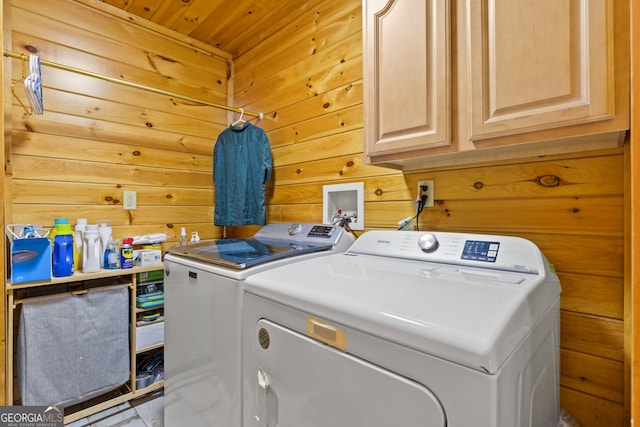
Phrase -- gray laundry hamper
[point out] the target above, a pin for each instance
(71, 348)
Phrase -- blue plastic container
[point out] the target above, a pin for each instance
(63, 255)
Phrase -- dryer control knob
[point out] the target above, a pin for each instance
(428, 243)
(294, 229)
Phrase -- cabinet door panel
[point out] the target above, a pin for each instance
(406, 76)
(538, 64)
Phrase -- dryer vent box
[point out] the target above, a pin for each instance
(348, 199)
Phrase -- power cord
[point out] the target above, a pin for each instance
(420, 202)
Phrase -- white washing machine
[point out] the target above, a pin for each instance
(405, 329)
(203, 290)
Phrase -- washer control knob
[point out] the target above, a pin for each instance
(294, 229)
(428, 243)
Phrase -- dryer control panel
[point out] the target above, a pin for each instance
(479, 250)
(488, 251)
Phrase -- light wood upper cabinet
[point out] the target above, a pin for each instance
(538, 64)
(407, 81)
(445, 81)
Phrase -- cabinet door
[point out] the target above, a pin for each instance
(539, 64)
(406, 75)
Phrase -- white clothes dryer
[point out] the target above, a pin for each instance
(203, 289)
(405, 329)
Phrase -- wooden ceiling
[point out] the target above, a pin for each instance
(231, 25)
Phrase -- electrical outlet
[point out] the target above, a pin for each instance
(129, 200)
(429, 183)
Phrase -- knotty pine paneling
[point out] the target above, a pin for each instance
(84, 193)
(217, 22)
(572, 207)
(347, 119)
(579, 176)
(341, 144)
(66, 148)
(97, 139)
(592, 375)
(5, 107)
(592, 335)
(592, 215)
(333, 69)
(591, 294)
(593, 410)
(54, 123)
(275, 16)
(304, 38)
(110, 33)
(307, 77)
(334, 100)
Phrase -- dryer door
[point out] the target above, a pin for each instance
(300, 382)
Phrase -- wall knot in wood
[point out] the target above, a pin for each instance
(548, 181)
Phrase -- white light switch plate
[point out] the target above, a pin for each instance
(129, 200)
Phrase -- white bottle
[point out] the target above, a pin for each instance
(105, 238)
(91, 249)
(78, 239)
(183, 237)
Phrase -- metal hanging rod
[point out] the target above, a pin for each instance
(134, 85)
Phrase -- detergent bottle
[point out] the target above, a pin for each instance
(78, 239)
(57, 222)
(63, 249)
(91, 249)
(104, 228)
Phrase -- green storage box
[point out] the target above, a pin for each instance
(150, 276)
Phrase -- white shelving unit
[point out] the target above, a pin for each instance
(15, 294)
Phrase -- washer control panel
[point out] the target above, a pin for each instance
(323, 231)
(302, 232)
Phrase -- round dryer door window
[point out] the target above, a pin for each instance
(301, 382)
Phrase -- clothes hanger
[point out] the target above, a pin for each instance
(29, 85)
(37, 84)
(240, 120)
(33, 85)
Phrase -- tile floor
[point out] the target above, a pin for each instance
(146, 411)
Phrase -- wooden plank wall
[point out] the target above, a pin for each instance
(632, 296)
(307, 77)
(4, 107)
(97, 139)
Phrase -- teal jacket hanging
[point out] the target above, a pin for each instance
(241, 167)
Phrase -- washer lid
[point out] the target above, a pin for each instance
(472, 316)
(243, 253)
(271, 242)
